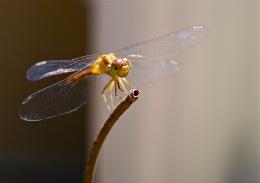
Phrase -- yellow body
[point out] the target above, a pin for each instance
(103, 64)
(109, 64)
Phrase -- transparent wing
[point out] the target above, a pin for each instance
(156, 59)
(55, 100)
(170, 44)
(150, 70)
(44, 69)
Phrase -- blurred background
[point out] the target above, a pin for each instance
(54, 150)
(200, 126)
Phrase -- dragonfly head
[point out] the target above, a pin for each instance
(121, 67)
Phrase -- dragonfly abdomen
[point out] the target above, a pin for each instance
(74, 78)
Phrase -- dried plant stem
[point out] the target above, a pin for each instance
(97, 144)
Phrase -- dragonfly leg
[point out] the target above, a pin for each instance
(119, 87)
(121, 83)
(104, 96)
(128, 83)
(110, 93)
(116, 94)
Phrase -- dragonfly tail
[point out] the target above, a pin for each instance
(76, 77)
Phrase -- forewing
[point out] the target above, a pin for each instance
(55, 100)
(170, 44)
(44, 69)
(156, 59)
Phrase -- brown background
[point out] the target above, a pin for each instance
(30, 31)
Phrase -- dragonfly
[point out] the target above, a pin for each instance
(140, 63)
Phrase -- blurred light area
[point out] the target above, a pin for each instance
(201, 125)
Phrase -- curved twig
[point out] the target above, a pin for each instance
(97, 144)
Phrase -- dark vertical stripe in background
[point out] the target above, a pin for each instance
(54, 150)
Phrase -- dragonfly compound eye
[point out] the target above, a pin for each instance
(124, 68)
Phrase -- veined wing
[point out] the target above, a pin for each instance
(156, 59)
(170, 44)
(148, 70)
(55, 100)
(44, 69)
